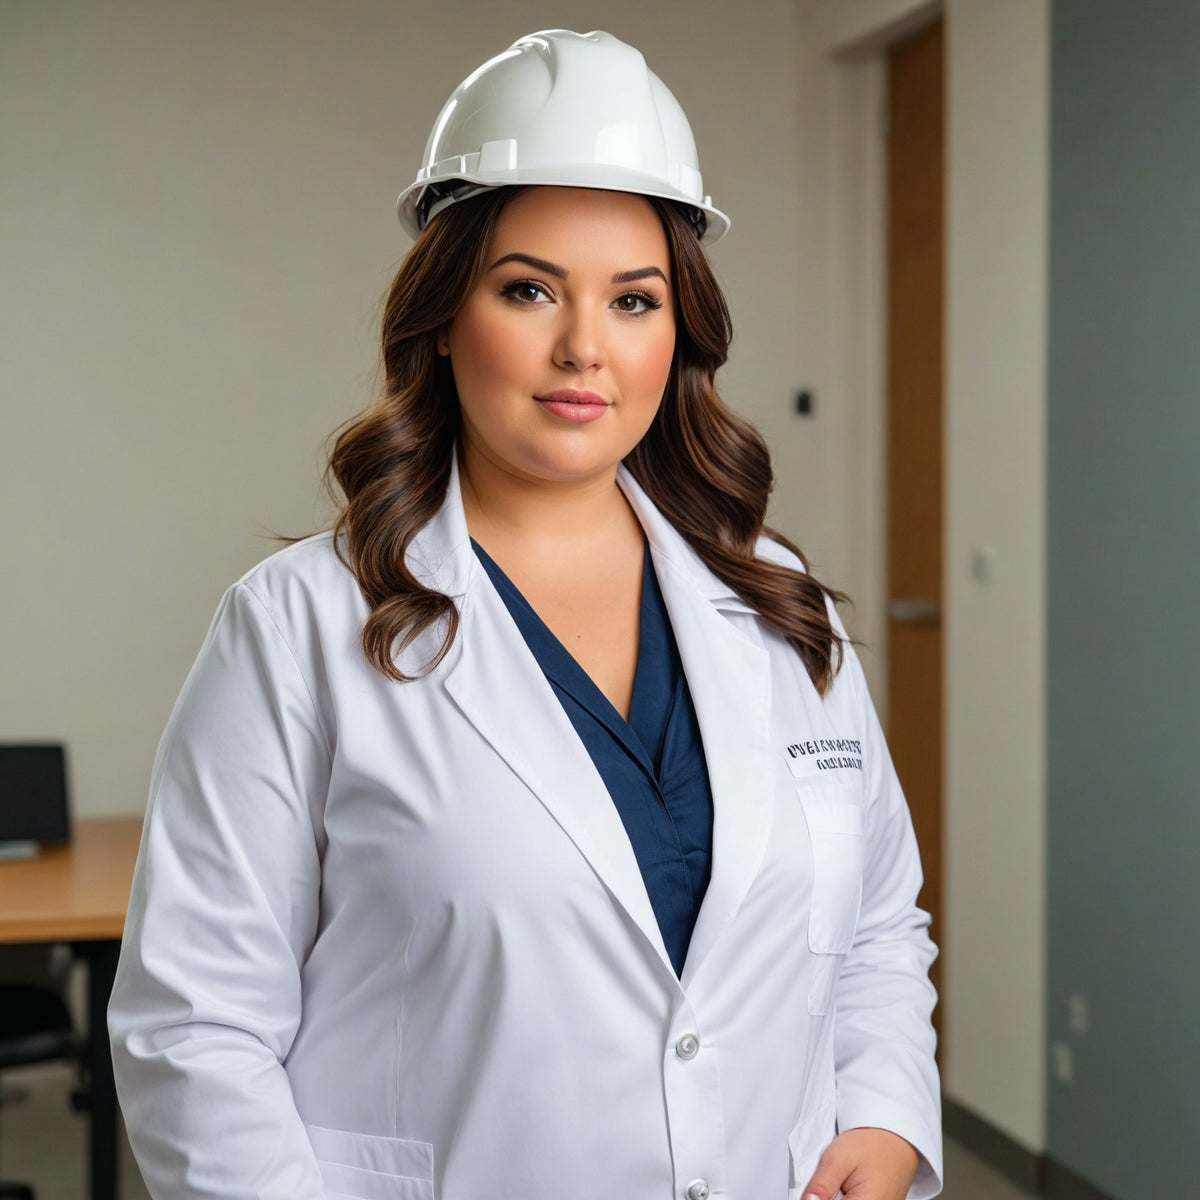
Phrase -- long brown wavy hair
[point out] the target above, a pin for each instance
(707, 470)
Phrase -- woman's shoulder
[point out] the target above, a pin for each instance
(310, 560)
(306, 581)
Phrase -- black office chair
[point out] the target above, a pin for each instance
(35, 1027)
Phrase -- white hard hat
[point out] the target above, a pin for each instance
(566, 109)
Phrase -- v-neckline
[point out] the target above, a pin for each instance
(564, 669)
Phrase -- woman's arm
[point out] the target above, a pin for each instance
(888, 1099)
(222, 915)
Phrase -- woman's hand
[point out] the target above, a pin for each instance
(866, 1164)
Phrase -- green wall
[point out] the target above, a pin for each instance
(1124, 592)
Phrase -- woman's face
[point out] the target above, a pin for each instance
(562, 351)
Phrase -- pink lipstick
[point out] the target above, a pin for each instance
(572, 405)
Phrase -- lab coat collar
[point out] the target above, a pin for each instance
(729, 679)
(441, 555)
(441, 552)
(728, 674)
(669, 545)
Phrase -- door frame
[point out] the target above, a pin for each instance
(852, 41)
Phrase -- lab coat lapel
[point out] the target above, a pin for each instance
(730, 683)
(493, 678)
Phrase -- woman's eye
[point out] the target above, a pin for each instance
(636, 303)
(524, 290)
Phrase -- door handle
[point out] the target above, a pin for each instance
(912, 611)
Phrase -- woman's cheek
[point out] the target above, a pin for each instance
(656, 369)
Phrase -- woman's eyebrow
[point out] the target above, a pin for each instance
(541, 264)
(538, 264)
(640, 273)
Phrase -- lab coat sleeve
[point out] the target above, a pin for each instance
(222, 915)
(883, 1039)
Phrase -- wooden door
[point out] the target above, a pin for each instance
(915, 98)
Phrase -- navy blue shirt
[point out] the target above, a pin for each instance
(652, 765)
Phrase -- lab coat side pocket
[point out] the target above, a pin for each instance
(834, 815)
(807, 1142)
(360, 1166)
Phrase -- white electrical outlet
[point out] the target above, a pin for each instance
(1062, 1062)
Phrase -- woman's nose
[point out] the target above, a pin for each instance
(580, 341)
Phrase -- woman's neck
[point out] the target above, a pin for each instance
(575, 552)
(503, 508)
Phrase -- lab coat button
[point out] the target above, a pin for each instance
(698, 1190)
(688, 1047)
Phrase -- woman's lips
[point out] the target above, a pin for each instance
(573, 406)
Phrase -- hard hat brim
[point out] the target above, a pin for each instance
(584, 175)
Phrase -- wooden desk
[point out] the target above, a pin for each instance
(72, 893)
(78, 894)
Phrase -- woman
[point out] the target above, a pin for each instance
(531, 833)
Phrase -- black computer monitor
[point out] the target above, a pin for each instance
(33, 795)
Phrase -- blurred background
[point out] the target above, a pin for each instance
(964, 272)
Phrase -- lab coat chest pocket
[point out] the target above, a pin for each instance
(834, 815)
(358, 1166)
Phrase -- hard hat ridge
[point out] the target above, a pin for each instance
(567, 109)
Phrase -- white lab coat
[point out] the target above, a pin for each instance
(390, 941)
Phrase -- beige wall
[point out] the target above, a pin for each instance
(196, 228)
(995, 633)
(997, 65)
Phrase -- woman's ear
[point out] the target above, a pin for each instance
(443, 342)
